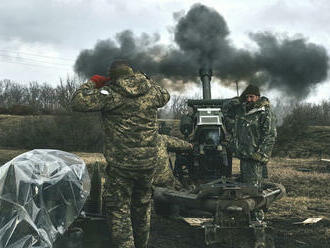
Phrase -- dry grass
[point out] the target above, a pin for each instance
(89, 158)
(8, 154)
(301, 177)
(308, 195)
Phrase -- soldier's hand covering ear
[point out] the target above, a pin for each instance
(99, 81)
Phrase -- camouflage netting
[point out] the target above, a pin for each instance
(41, 193)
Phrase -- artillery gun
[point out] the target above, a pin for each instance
(206, 128)
(234, 210)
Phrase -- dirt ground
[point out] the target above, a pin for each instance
(307, 182)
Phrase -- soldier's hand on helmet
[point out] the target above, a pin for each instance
(259, 157)
(99, 81)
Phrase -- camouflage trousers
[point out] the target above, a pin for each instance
(264, 170)
(127, 202)
(251, 171)
(164, 177)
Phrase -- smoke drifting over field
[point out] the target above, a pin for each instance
(292, 65)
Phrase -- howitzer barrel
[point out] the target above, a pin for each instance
(206, 75)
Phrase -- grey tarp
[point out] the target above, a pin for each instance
(41, 193)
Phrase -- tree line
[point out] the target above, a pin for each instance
(36, 98)
(71, 131)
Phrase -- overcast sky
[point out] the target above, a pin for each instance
(41, 39)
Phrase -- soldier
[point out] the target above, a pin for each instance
(164, 175)
(128, 105)
(254, 134)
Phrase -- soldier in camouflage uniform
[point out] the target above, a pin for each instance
(128, 106)
(254, 134)
(164, 175)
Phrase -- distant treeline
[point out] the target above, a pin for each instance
(297, 119)
(40, 99)
(36, 98)
(49, 121)
(67, 130)
(60, 129)
(308, 114)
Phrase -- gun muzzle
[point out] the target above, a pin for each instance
(206, 76)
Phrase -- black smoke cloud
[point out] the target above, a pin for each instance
(291, 65)
(141, 51)
(202, 36)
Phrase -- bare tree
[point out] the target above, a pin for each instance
(175, 108)
(65, 91)
(41, 98)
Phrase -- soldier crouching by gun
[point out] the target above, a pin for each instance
(164, 176)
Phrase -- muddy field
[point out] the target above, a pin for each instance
(307, 182)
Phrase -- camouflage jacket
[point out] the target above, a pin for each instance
(170, 144)
(129, 114)
(163, 175)
(254, 131)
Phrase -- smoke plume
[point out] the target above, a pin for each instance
(292, 65)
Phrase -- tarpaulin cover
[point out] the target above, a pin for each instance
(41, 193)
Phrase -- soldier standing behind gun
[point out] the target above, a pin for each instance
(254, 134)
(128, 105)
